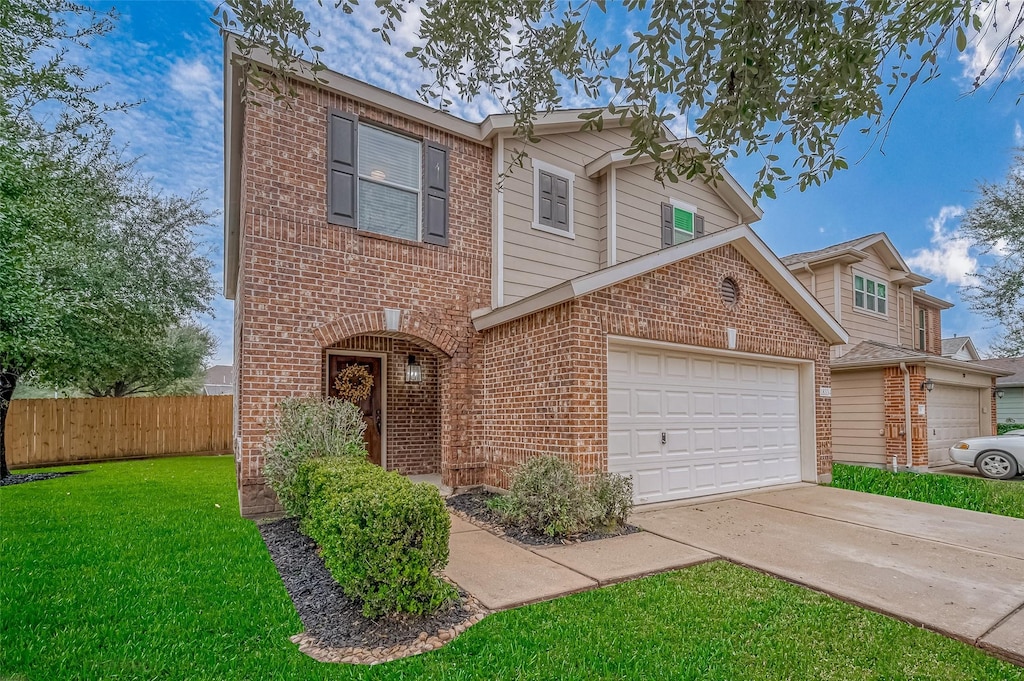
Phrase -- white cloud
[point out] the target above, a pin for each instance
(949, 256)
(1018, 134)
(194, 81)
(984, 56)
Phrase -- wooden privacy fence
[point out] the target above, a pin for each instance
(55, 431)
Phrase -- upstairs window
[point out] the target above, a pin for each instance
(869, 294)
(552, 199)
(389, 183)
(680, 223)
(385, 182)
(922, 318)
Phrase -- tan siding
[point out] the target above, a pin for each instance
(535, 260)
(861, 324)
(858, 415)
(639, 197)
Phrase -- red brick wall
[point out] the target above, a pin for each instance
(895, 416)
(546, 379)
(299, 275)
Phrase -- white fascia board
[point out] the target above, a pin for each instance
(741, 237)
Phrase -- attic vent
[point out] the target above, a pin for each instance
(730, 291)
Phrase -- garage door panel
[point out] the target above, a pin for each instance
(618, 362)
(647, 403)
(728, 424)
(618, 402)
(677, 403)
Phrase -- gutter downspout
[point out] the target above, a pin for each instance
(906, 414)
(814, 281)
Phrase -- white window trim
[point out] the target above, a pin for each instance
(683, 205)
(854, 292)
(392, 185)
(564, 174)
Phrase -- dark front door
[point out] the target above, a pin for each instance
(371, 405)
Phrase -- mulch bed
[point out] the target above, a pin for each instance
(335, 629)
(472, 506)
(22, 478)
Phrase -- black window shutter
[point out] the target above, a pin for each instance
(560, 203)
(435, 194)
(667, 225)
(545, 198)
(341, 168)
(698, 226)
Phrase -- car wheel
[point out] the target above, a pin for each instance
(996, 465)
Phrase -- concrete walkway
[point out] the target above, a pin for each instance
(957, 572)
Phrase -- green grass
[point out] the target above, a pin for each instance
(132, 571)
(1001, 497)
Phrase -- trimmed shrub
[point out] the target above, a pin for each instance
(383, 538)
(613, 495)
(1003, 428)
(306, 429)
(547, 496)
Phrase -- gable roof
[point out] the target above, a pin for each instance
(951, 346)
(1014, 364)
(741, 237)
(870, 354)
(853, 251)
(566, 120)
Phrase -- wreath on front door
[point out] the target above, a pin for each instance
(353, 383)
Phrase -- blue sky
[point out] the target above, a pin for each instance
(941, 144)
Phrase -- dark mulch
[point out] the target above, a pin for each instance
(22, 478)
(474, 505)
(326, 613)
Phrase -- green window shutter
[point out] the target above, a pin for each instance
(682, 220)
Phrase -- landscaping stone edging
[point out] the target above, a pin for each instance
(335, 630)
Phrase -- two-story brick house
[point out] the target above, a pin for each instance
(576, 307)
(891, 377)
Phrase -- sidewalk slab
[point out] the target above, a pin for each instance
(503, 575)
(1008, 638)
(970, 529)
(950, 589)
(624, 557)
(460, 525)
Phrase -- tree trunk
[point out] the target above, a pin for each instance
(7, 382)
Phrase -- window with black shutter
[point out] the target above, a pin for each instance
(553, 189)
(386, 182)
(680, 223)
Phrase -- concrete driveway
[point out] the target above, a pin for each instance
(957, 572)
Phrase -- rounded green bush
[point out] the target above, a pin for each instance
(382, 537)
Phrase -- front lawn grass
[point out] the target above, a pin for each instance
(1001, 497)
(144, 570)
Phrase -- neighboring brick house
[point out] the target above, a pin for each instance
(891, 378)
(575, 307)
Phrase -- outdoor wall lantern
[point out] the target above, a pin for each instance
(413, 371)
(928, 385)
(998, 392)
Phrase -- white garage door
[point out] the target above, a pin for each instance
(687, 424)
(954, 413)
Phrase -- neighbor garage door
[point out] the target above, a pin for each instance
(687, 424)
(954, 413)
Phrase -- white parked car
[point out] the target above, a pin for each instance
(997, 456)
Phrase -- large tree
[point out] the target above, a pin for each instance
(778, 81)
(995, 224)
(73, 252)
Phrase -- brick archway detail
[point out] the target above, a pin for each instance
(411, 324)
